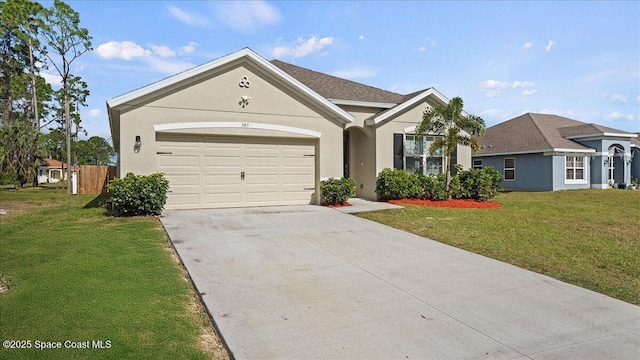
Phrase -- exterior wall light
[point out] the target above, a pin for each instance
(137, 145)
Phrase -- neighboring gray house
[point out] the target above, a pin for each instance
(549, 152)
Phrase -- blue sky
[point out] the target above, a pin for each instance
(579, 59)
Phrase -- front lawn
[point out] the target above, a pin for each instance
(590, 238)
(72, 277)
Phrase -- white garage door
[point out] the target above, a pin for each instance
(209, 172)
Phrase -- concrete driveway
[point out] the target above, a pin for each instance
(306, 282)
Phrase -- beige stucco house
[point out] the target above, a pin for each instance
(244, 131)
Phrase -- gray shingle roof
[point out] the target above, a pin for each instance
(332, 87)
(532, 133)
(588, 129)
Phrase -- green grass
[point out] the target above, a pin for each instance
(75, 274)
(590, 238)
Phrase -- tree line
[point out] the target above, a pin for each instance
(36, 121)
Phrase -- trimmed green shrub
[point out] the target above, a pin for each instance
(455, 187)
(136, 195)
(434, 187)
(478, 184)
(394, 184)
(337, 191)
(481, 184)
(414, 187)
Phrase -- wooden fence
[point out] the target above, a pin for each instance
(94, 179)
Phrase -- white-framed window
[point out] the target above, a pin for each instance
(417, 158)
(509, 169)
(574, 169)
(610, 169)
(477, 164)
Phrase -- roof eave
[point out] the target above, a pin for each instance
(549, 151)
(115, 135)
(371, 104)
(600, 135)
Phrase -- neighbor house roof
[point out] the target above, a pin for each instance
(591, 130)
(55, 164)
(532, 133)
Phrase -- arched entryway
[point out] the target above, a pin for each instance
(359, 155)
(616, 164)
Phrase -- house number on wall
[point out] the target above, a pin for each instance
(245, 125)
(245, 82)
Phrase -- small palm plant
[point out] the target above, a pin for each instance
(453, 127)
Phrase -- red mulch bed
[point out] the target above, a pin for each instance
(337, 205)
(453, 203)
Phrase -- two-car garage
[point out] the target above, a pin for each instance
(221, 171)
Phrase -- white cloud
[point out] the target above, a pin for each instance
(355, 73)
(522, 84)
(52, 79)
(430, 42)
(495, 84)
(163, 51)
(94, 112)
(616, 98)
(188, 18)
(156, 59)
(638, 98)
(614, 116)
(493, 88)
(125, 50)
(247, 16)
(361, 37)
(189, 48)
(549, 45)
(302, 47)
(527, 45)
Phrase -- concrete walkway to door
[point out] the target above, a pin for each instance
(304, 282)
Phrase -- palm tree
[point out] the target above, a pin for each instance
(452, 127)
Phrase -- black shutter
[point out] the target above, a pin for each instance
(398, 151)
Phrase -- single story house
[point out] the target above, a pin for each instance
(548, 152)
(244, 131)
(52, 171)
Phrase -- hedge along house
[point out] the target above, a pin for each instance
(549, 152)
(243, 131)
